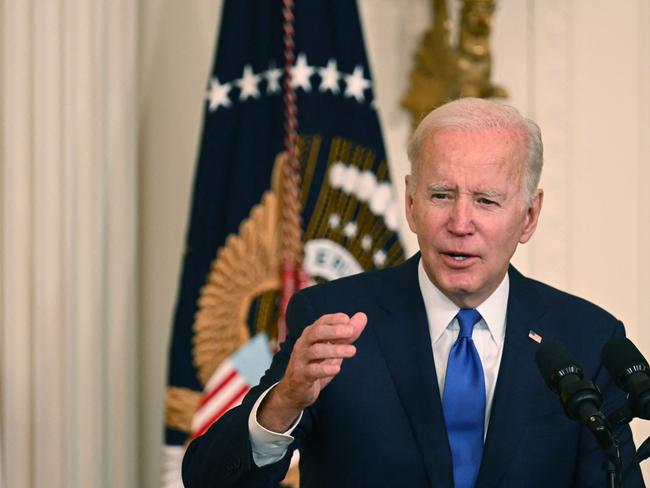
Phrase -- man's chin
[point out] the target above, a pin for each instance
(458, 284)
(463, 293)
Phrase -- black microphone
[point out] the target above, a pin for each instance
(580, 398)
(631, 373)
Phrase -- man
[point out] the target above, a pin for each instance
(424, 374)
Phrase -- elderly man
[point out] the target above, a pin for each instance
(424, 374)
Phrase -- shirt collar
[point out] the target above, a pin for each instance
(441, 310)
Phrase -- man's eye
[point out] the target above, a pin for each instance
(439, 196)
(487, 202)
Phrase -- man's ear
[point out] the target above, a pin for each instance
(408, 201)
(532, 216)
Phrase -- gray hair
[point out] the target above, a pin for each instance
(475, 114)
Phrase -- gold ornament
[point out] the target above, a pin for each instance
(443, 72)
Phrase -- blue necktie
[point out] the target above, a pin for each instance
(464, 402)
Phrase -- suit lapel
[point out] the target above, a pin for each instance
(511, 404)
(403, 337)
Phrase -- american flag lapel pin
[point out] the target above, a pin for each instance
(534, 336)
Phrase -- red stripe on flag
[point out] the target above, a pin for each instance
(206, 398)
(237, 398)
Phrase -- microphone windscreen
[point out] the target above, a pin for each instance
(551, 358)
(622, 358)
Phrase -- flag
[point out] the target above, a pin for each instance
(230, 382)
(232, 270)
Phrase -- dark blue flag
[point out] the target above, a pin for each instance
(231, 275)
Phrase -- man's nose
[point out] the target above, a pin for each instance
(461, 218)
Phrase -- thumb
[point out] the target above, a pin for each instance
(358, 323)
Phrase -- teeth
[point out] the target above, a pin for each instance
(459, 258)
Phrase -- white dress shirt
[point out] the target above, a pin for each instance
(488, 333)
(269, 447)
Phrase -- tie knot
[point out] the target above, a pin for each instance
(467, 319)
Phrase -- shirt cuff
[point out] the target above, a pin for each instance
(268, 447)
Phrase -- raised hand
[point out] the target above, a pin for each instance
(316, 358)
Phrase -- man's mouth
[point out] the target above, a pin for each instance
(458, 256)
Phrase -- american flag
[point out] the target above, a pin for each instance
(231, 381)
(535, 336)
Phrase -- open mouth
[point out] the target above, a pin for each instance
(459, 257)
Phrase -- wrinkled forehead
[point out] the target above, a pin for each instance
(503, 149)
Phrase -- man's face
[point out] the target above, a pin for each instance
(467, 208)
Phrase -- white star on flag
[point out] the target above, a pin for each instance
(273, 76)
(334, 221)
(350, 230)
(217, 95)
(248, 84)
(356, 84)
(301, 72)
(329, 77)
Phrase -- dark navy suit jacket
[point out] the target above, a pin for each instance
(379, 423)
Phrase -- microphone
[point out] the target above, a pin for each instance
(631, 373)
(580, 398)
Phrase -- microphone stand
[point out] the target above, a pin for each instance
(642, 453)
(612, 464)
(584, 397)
(624, 415)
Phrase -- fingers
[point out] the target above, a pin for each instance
(308, 351)
(339, 333)
(358, 323)
(332, 319)
(329, 341)
(322, 370)
(317, 356)
(320, 351)
(336, 328)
